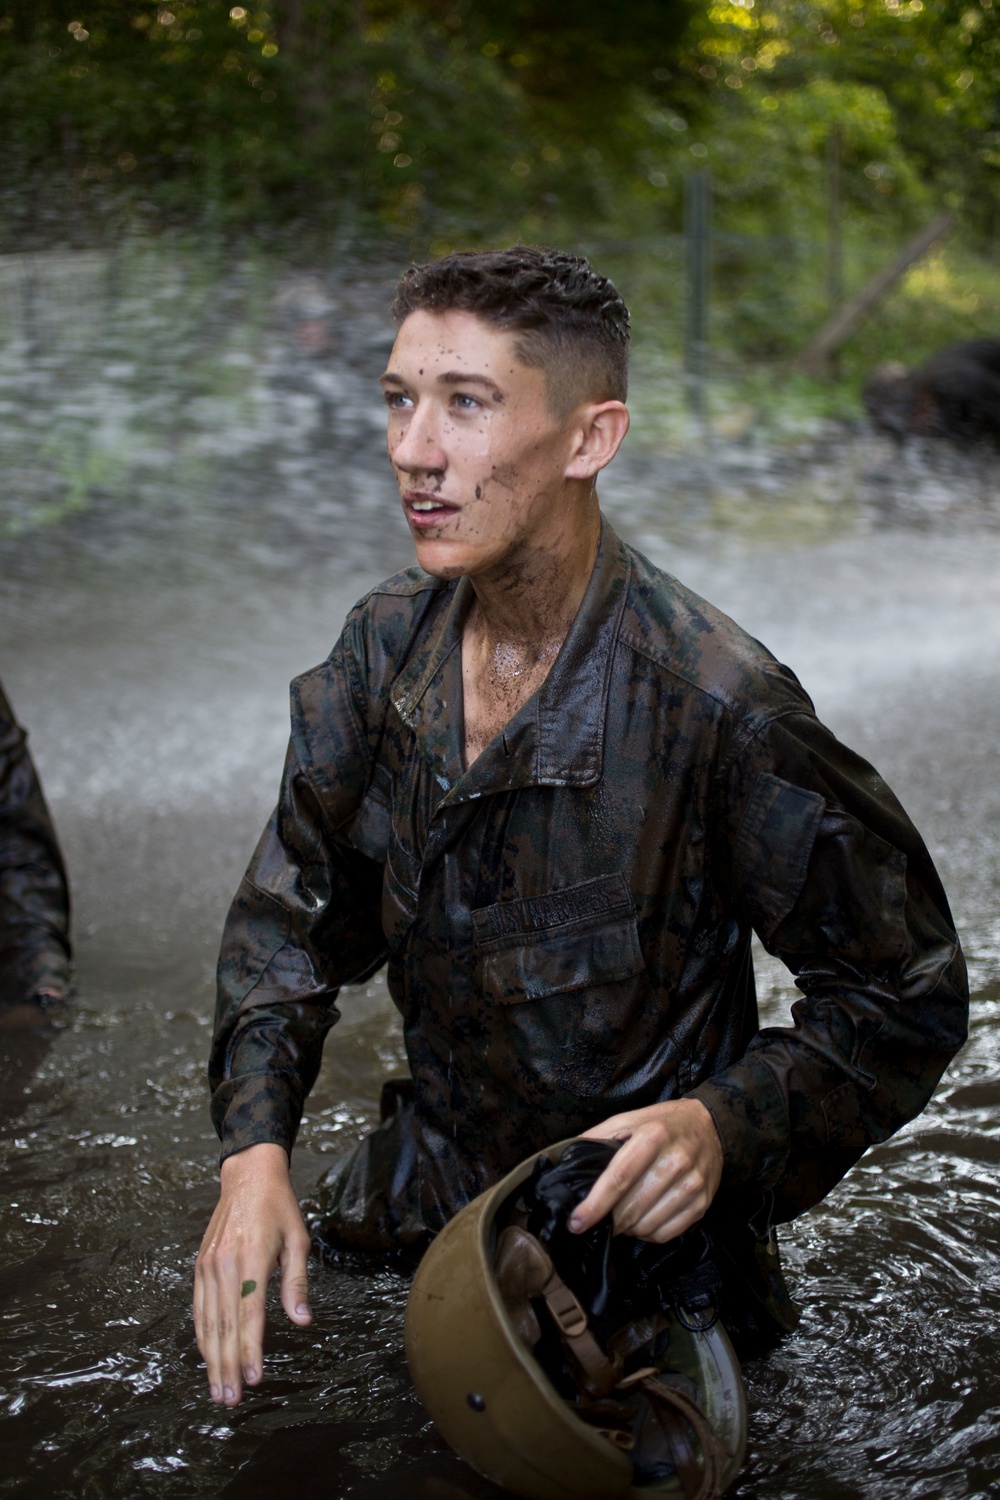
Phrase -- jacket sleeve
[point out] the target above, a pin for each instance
(305, 920)
(834, 878)
(34, 896)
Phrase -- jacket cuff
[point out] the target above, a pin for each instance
(255, 1109)
(750, 1113)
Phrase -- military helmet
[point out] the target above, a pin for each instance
(673, 1426)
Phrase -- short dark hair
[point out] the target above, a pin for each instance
(571, 323)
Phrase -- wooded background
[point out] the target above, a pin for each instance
(428, 124)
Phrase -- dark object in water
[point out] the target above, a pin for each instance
(955, 395)
(34, 896)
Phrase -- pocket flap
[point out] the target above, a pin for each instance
(554, 962)
(773, 847)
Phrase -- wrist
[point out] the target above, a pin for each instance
(266, 1158)
(710, 1131)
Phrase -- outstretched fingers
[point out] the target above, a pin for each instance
(295, 1277)
(251, 1328)
(257, 1225)
(205, 1326)
(229, 1324)
(230, 1364)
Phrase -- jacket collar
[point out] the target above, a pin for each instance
(557, 737)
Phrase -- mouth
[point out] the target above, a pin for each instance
(426, 510)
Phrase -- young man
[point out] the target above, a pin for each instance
(556, 791)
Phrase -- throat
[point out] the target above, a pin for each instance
(498, 678)
(510, 662)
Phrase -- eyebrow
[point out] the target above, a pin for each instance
(449, 377)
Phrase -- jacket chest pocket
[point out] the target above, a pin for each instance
(564, 990)
(571, 957)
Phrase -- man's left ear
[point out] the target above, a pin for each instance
(601, 431)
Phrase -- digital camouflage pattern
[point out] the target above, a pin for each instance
(34, 898)
(567, 923)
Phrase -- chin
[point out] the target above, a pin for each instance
(443, 559)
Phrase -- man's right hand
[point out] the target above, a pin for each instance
(256, 1226)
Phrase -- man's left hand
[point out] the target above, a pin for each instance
(663, 1176)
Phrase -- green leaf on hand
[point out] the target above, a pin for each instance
(247, 1288)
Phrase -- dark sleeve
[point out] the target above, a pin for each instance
(837, 883)
(305, 920)
(34, 896)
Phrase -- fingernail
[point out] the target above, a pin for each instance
(575, 1224)
(303, 1310)
(214, 1392)
(229, 1393)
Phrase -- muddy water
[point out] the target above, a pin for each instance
(148, 649)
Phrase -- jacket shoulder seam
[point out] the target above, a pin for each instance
(401, 585)
(756, 729)
(750, 723)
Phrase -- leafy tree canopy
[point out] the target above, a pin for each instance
(455, 119)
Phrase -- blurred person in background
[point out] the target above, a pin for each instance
(34, 894)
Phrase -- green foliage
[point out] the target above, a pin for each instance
(912, 84)
(462, 117)
(435, 123)
(422, 115)
(952, 294)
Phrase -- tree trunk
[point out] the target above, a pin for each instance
(815, 359)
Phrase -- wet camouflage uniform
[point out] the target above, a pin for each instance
(34, 900)
(567, 924)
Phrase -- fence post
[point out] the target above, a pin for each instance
(834, 238)
(697, 230)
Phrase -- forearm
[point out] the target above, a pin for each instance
(303, 922)
(272, 1019)
(261, 1080)
(804, 1102)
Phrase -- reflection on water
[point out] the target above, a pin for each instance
(148, 645)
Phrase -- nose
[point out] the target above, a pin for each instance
(415, 443)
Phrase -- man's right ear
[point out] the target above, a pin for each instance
(600, 433)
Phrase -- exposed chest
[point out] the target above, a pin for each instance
(493, 692)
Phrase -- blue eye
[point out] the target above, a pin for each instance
(396, 400)
(466, 403)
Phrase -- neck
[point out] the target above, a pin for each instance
(529, 606)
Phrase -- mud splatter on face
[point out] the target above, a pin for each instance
(479, 492)
(505, 475)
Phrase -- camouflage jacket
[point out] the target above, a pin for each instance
(567, 923)
(34, 898)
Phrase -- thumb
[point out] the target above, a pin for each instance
(295, 1280)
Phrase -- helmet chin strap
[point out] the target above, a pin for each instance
(524, 1274)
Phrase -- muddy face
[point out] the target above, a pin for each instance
(479, 458)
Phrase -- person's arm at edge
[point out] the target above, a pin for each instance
(34, 891)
